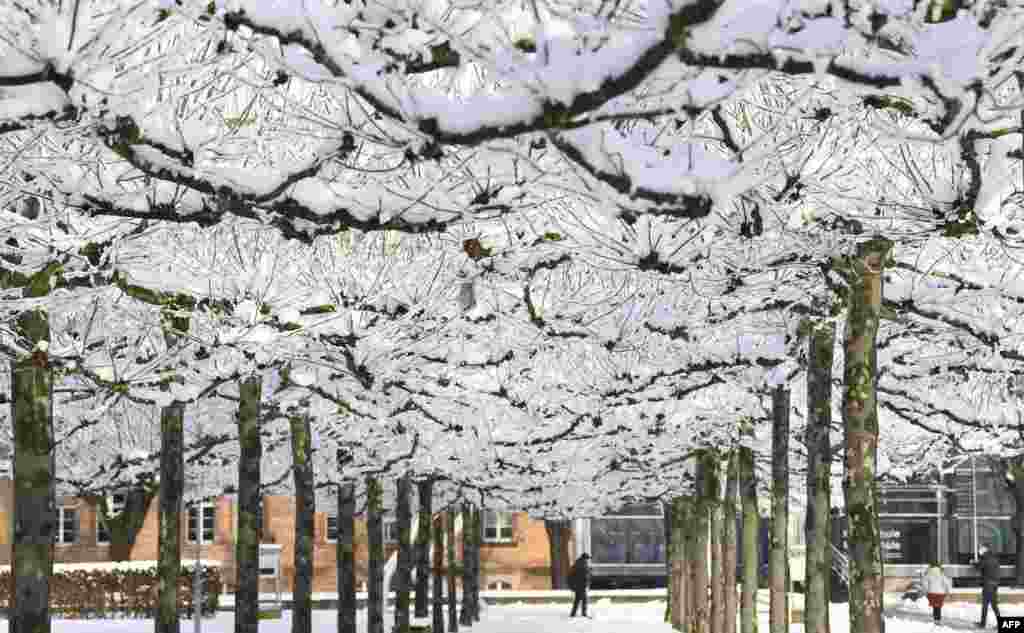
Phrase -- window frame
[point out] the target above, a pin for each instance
(327, 528)
(498, 525)
(59, 536)
(114, 511)
(200, 509)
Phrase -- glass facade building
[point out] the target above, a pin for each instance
(947, 520)
(633, 535)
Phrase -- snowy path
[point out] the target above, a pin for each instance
(952, 617)
(904, 617)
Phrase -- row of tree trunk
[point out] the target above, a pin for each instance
(699, 604)
(702, 570)
(702, 578)
(701, 531)
(432, 532)
(247, 547)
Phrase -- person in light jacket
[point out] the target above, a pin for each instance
(936, 585)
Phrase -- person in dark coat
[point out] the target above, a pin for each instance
(579, 582)
(988, 564)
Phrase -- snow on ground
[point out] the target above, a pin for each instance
(904, 617)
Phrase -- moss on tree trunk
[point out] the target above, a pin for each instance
(375, 564)
(403, 570)
(778, 553)
(818, 522)
(172, 481)
(305, 513)
(475, 585)
(729, 558)
(751, 524)
(437, 607)
(681, 614)
(250, 502)
(717, 569)
(124, 527)
(425, 491)
(35, 512)
(667, 525)
(346, 554)
(453, 619)
(707, 492)
(466, 612)
(860, 417)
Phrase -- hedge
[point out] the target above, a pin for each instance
(93, 593)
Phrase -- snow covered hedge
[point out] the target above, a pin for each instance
(97, 593)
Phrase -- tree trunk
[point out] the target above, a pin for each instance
(425, 490)
(35, 512)
(172, 483)
(681, 612)
(476, 541)
(691, 619)
(124, 528)
(346, 554)
(818, 521)
(557, 542)
(305, 513)
(707, 479)
(778, 554)
(466, 613)
(375, 565)
(860, 417)
(717, 571)
(403, 571)
(729, 601)
(667, 524)
(250, 500)
(453, 620)
(751, 558)
(437, 610)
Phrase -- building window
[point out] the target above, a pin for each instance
(67, 525)
(497, 527)
(390, 531)
(200, 523)
(909, 541)
(634, 534)
(332, 528)
(115, 505)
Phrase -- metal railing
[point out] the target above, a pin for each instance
(841, 564)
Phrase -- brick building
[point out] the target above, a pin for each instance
(514, 553)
